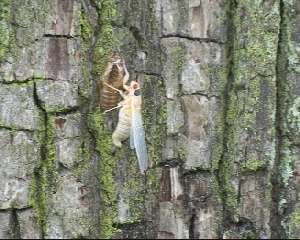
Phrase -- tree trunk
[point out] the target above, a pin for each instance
(221, 107)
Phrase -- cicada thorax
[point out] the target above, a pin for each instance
(110, 98)
(122, 131)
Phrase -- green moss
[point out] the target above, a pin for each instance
(228, 193)
(296, 218)
(252, 165)
(107, 164)
(154, 117)
(101, 53)
(226, 174)
(252, 70)
(4, 27)
(178, 55)
(84, 154)
(293, 225)
(287, 159)
(133, 190)
(45, 174)
(217, 150)
(87, 33)
(294, 117)
(153, 24)
(182, 152)
(105, 42)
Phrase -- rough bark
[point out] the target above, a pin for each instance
(221, 106)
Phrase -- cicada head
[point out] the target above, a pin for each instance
(117, 63)
(136, 88)
(115, 57)
(134, 85)
(117, 71)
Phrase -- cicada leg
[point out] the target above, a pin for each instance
(107, 70)
(112, 108)
(126, 76)
(118, 90)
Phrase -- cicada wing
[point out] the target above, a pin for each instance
(131, 138)
(139, 140)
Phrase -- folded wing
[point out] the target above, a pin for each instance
(131, 138)
(138, 138)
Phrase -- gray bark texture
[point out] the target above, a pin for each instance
(221, 107)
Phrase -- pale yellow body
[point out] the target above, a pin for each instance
(131, 124)
(131, 103)
(122, 131)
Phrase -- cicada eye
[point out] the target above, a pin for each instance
(137, 92)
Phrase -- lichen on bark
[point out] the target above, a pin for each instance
(5, 29)
(45, 174)
(108, 210)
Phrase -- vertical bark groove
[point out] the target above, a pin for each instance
(281, 65)
(15, 226)
(223, 165)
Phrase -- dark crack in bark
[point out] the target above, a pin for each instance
(201, 40)
(277, 230)
(15, 226)
(222, 164)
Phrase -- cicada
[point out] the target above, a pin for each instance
(115, 75)
(130, 123)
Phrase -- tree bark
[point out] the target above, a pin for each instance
(221, 108)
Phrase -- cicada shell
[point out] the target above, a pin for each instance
(130, 124)
(115, 75)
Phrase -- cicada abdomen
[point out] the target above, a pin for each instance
(122, 131)
(116, 75)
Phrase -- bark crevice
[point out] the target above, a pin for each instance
(39, 171)
(192, 225)
(198, 39)
(222, 169)
(58, 36)
(15, 226)
(277, 230)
